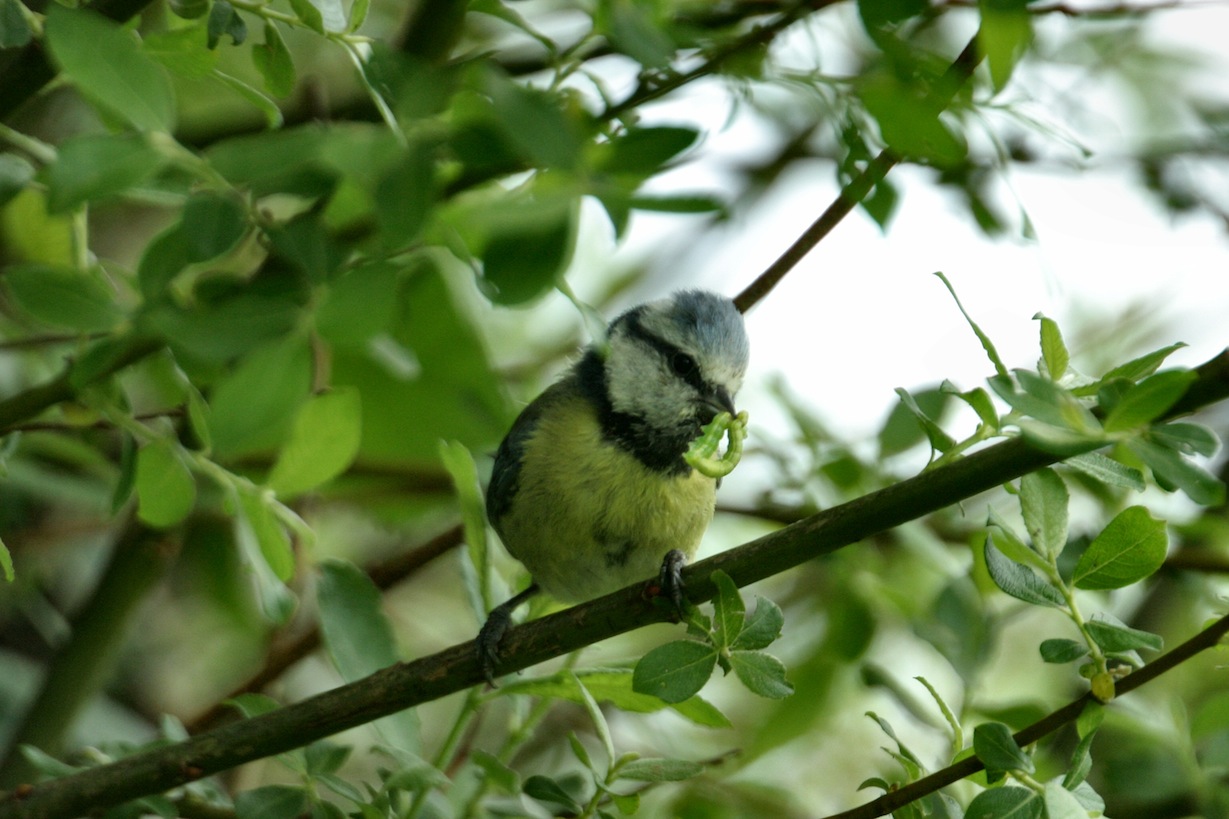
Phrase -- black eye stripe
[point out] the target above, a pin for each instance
(681, 363)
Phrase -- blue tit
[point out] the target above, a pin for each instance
(589, 489)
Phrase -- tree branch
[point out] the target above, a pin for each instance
(854, 192)
(408, 684)
(894, 800)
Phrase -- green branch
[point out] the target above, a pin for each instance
(408, 684)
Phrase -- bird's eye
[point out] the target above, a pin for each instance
(682, 364)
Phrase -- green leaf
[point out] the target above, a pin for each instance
(1081, 762)
(189, 9)
(253, 406)
(533, 121)
(405, 195)
(674, 671)
(324, 439)
(1053, 349)
(659, 769)
(762, 628)
(273, 114)
(634, 33)
(256, 512)
(761, 673)
(998, 751)
(904, 425)
(212, 225)
(1043, 504)
(1148, 400)
(165, 489)
(939, 439)
(986, 343)
(64, 297)
(6, 562)
(94, 166)
(1132, 371)
(272, 59)
(358, 304)
(545, 789)
(15, 174)
(271, 802)
(460, 466)
(729, 611)
(15, 31)
(614, 686)
(183, 51)
(1060, 803)
(360, 639)
(641, 152)
(1114, 638)
(1187, 438)
(1062, 651)
(309, 14)
(106, 64)
(224, 21)
(1019, 581)
(1108, 471)
(1004, 36)
(505, 779)
(908, 119)
(1171, 471)
(528, 249)
(1131, 547)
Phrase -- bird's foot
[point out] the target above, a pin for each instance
(669, 586)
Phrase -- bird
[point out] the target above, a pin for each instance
(589, 488)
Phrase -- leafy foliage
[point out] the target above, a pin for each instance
(255, 261)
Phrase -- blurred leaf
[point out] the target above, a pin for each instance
(1060, 803)
(1172, 471)
(324, 439)
(307, 12)
(166, 491)
(657, 769)
(270, 537)
(273, 114)
(189, 9)
(533, 121)
(94, 166)
(763, 674)
(633, 33)
(998, 751)
(286, 161)
(904, 426)
(1133, 370)
(1004, 36)
(225, 21)
(642, 151)
(1053, 349)
(405, 195)
(1062, 651)
(529, 247)
(1114, 638)
(939, 439)
(360, 639)
(212, 225)
(1131, 547)
(1081, 762)
(1187, 438)
(6, 562)
(29, 233)
(63, 297)
(183, 51)
(252, 407)
(272, 59)
(1043, 503)
(358, 304)
(674, 671)
(15, 173)
(271, 802)
(1019, 581)
(106, 64)
(1148, 400)
(880, 15)
(15, 32)
(219, 331)
(909, 120)
(986, 343)
(545, 789)
(459, 464)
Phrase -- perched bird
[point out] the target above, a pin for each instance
(590, 490)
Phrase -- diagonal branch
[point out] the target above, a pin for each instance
(408, 684)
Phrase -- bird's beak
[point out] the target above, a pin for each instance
(720, 401)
